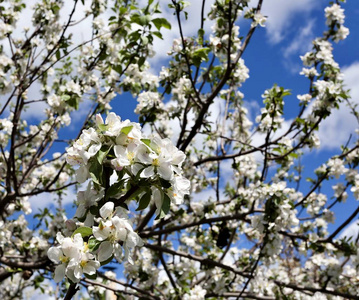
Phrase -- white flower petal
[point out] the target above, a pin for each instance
(148, 172)
(106, 210)
(94, 149)
(82, 174)
(165, 171)
(178, 158)
(119, 150)
(105, 251)
(80, 211)
(91, 267)
(59, 237)
(78, 272)
(54, 254)
(101, 234)
(59, 273)
(99, 120)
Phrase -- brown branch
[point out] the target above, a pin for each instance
(314, 290)
(200, 222)
(235, 294)
(344, 224)
(219, 87)
(127, 285)
(39, 264)
(146, 219)
(202, 260)
(71, 291)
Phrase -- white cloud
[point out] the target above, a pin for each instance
(336, 129)
(79, 32)
(301, 43)
(36, 109)
(351, 231)
(351, 79)
(189, 27)
(302, 40)
(280, 13)
(47, 199)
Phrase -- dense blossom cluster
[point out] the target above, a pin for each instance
(149, 168)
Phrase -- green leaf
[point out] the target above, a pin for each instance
(161, 215)
(141, 20)
(166, 203)
(85, 231)
(94, 276)
(94, 210)
(126, 130)
(144, 40)
(102, 153)
(114, 189)
(144, 201)
(161, 22)
(158, 34)
(202, 53)
(165, 183)
(141, 61)
(147, 142)
(102, 127)
(73, 102)
(96, 172)
(93, 244)
(65, 97)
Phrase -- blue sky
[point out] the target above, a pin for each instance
(272, 57)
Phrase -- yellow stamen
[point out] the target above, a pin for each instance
(130, 156)
(64, 259)
(86, 247)
(156, 162)
(100, 226)
(83, 263)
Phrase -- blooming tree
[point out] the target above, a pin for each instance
(144, 226)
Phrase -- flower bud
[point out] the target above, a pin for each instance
(70, 225)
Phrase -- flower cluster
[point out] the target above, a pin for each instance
(75, 258)
(122, 165)
(335, 18)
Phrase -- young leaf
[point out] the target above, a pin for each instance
(101, 154)
(126, 130)
(114, 189)
(96, 172)
(144, 201)
(166, 203)
(85, 231)
(147, 142)
(161, 22)
(93, 244)
(93, 277)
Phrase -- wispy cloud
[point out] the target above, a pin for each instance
(336, 129)
(280, 14)
(351, 231)
(189, 26)
(301, 43)
(302, 40)
(49, 199)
